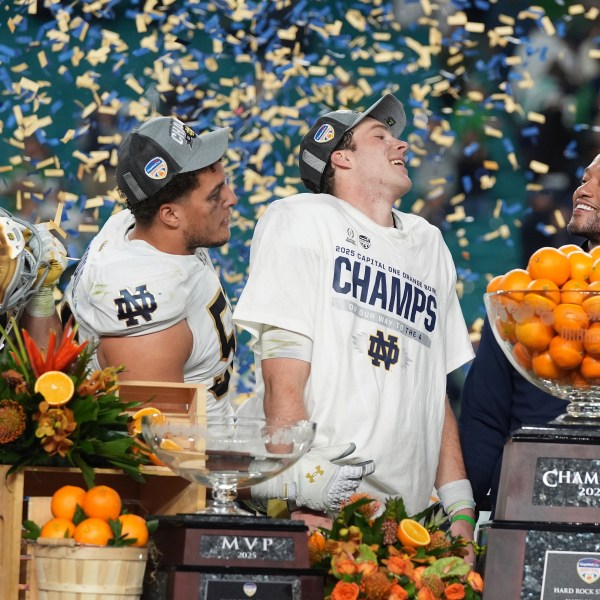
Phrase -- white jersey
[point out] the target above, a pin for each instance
(381, 309)
(126, 287)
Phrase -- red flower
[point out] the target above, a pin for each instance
(455, 591)
(425, 594)
(398, 593)
(345, 590)
(475, 581)
(57, 359)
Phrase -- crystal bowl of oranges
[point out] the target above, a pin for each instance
(546, 319)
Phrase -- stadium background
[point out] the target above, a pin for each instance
(501, 98)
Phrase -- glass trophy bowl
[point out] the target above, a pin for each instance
(552, 338)
(227, 453)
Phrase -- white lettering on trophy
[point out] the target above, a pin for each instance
(244, 543)
(554, 478)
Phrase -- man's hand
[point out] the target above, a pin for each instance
(52, 253)
(465, 530)
(53, 257)
(316, 481)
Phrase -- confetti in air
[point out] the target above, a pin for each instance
(501, 98)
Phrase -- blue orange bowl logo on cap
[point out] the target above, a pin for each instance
(324, 134)
(156, 168)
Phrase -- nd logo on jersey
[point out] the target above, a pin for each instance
(131, 306)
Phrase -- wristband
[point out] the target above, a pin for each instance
(466, 518)
(456, 496)
(42, 303)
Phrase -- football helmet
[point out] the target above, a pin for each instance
(22, 269)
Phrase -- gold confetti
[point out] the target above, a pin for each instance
(134, 85)
(538, 167)
(473, 27)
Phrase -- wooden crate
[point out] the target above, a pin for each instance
(26, 495)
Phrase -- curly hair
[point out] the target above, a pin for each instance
(328, 177)
(177, 190)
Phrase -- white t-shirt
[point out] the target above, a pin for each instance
(126, 287)
(380, 306)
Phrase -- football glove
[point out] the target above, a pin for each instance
(54, 261)
(316, 481)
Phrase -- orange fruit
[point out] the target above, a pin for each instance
(567, 354)
(516, 279)
(590, 368)
(570, 292)
(534, 334)
(93, 531)
(65, 500)
(549, 263)
(168, 444)
(547, 298)
(543, 366)
(568, 248)
(522, 355)
(102, 502)
(595, 271)
(595, 252)
(581, 265)
(576, 379)
(591, 302)
(506, 329)
(591, 340)
(56, 387)
(134, 527)
(570, 320)
(412, 534)
(143, 412)
(494, 284)
(58, 528)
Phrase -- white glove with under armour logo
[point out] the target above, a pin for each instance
(315, 481)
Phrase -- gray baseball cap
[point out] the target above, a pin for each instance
(324, 136)
(162, 147)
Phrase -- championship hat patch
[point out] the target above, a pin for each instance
(324, 134)
(156, 168)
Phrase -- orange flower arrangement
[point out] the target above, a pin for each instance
(55, 412)
(363, 557)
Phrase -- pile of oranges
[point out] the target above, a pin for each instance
(552, 327)
(94, 518)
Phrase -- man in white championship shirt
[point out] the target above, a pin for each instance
(146, 287)
(355, 321)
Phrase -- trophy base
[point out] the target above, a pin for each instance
(539, 560)
(211, 557)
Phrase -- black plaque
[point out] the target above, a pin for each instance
(515, 560)
(242, 587)
(571, 576)
(210, 557)
(567, 482)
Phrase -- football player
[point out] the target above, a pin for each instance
(146, 286)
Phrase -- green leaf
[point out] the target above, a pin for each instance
(450, 566)
(32, 530)
(365, 554)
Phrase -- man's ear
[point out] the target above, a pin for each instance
(169, 215)
(340, 159)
